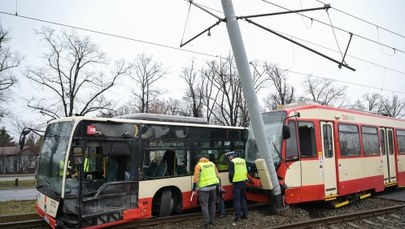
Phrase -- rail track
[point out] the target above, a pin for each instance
(376, 218)
(22, 221)
(387, 217)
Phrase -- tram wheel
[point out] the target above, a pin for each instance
(166, 203)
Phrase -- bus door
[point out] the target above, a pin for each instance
(388, 157)
(328, 167)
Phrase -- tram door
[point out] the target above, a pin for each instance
(388, 157)
(328, 157)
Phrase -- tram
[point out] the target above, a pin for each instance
(100, 172)
(332, 154)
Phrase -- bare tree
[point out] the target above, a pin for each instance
(194, 92)
(8, 61)
(369, 102)
(323, 91)
(393, 107)
(209, 93)
(72, 77)
(146, 72)
(223, 97)
(284, 93)
(225, 80)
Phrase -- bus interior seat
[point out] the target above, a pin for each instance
(161, 169)
(150, 172)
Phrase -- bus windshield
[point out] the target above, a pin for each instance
(273, 125)
(52, 155)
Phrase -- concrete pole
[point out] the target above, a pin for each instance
(250, 93)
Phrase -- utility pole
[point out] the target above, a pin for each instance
(250, 95)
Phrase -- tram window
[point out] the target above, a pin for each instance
(370, 140)
(349, 140)
(292, 148)
(306, 135)
(328, 141)
(401, 141)
(382, 141)
(390, 141)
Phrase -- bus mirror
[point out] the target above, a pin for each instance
(286, 132)
(78, 154)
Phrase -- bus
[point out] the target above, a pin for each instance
(332, 154)
(100, 172)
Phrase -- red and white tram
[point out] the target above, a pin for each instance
(332, 154)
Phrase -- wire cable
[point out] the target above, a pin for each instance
(110, 35)
(201, 53)
(341, 11)
(338, 28)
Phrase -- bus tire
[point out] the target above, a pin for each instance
(166, 203)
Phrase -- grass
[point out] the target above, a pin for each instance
(21, 184)
(17, 207)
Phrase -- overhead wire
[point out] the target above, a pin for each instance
(109, 34)
(360, 19)
(338, 28)
(345, 82)
(195, 52)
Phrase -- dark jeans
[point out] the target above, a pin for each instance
(239, 199)
(208, 200)
(221, 206)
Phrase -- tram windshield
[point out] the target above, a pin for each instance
(53, 154)
(273, 126)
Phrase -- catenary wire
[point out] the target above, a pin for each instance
(195, 52)
(338, 28)
(109, 34)
(360, 19)
(330, 49)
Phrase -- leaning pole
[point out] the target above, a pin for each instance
(249, 93)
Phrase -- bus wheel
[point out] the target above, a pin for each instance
(166, 203)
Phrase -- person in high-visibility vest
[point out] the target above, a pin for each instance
(86, 165)
(238, 177)
(61, 167)
(206, 180)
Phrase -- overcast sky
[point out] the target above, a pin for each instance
(157, 27)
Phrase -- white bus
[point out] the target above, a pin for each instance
(100, 172)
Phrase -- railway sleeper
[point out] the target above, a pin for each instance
(374, 224)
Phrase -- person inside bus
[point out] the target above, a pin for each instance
(171, 160)
(238, 177)
(206, 180)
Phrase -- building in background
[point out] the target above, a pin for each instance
(14, 160)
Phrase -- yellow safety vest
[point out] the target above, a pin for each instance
(240, 171)
(61, 167)
(222, 164)
(86, 165)
(207, 175)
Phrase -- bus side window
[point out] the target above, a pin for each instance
(182, 162)
(170, 158)
(223, 162)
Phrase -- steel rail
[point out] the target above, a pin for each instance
(341, 218)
